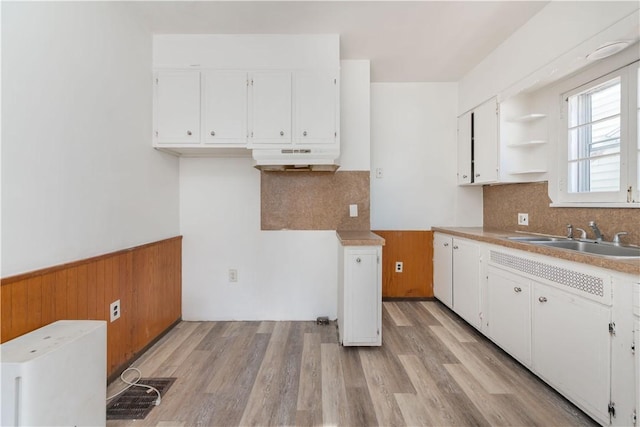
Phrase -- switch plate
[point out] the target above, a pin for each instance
(523, 219)
(379, 173)
(398, 266)
(353, 211)
(233, 275)
(114, 310)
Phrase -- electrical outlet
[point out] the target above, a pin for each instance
(523, 219)
(353, 211)
(114, 310)
(398, 266)
(233, 275)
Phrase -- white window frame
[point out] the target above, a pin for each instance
(628, 146)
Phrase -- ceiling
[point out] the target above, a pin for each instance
(413, 41)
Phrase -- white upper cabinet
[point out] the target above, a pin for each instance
(485, 143)
(256, 91)
(464, 149)
(503, 142)
(225, 107)
(270, 99)
(316, 113)
(177, 107)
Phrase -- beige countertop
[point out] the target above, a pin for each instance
(359, 238)
(499, 237)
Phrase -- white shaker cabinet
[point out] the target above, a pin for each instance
(177, 107)
(571, 346)
(270, 112)
(509, 313)
(443, 268)
(360, 295)
(225, 107)
(316, 96)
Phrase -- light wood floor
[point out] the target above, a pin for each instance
(433, 369)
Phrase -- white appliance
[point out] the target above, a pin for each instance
(297, 159)
(55, 376)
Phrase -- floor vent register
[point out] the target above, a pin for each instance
(136, 403)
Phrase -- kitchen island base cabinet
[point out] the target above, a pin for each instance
(360, 295)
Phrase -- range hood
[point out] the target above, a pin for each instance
(296, 159)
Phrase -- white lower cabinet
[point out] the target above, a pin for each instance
(574, 325)
(360, 295)
(466, 280)
(572, 347)
(456, 275)
(509, 313)
(443, 268)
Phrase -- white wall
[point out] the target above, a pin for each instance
(282, 275)
(355, 115)
(551, 36)
(79, 176)
(413, 140)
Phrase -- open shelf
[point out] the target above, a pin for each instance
(527, 143)
(528, 118)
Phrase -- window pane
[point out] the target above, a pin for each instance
(595, 104)
(594, 139)
(597, 175)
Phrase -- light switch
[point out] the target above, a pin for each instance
(353, 210)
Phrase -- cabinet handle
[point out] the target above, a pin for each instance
(542, 299)
(358, 260)
(445, 245)
(213, 133)
(455, 247)
(189, 132)
(477, 175)
(517, 289)
(464, 176)
(281, 133)
(304, 133)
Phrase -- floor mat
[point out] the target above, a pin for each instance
(136, 403)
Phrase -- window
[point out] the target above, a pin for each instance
(602, 145)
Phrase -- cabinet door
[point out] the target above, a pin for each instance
(177, 107)
(509, 313)
(466, 281)
(316, 107)
(485, 142)
(572, 347)
(225, 107)
(362, 302)
(442, 268)
(270, 108)
(464, 149)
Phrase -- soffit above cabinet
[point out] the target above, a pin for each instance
(247, 51)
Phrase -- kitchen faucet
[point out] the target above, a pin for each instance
(583, 233)
(596, 231)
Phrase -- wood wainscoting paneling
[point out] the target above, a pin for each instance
(146, 279)
(415, 250)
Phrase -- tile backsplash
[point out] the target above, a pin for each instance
(314, 200)
(502, 203)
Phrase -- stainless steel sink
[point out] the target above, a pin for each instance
(533, 239)
(602, 249)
